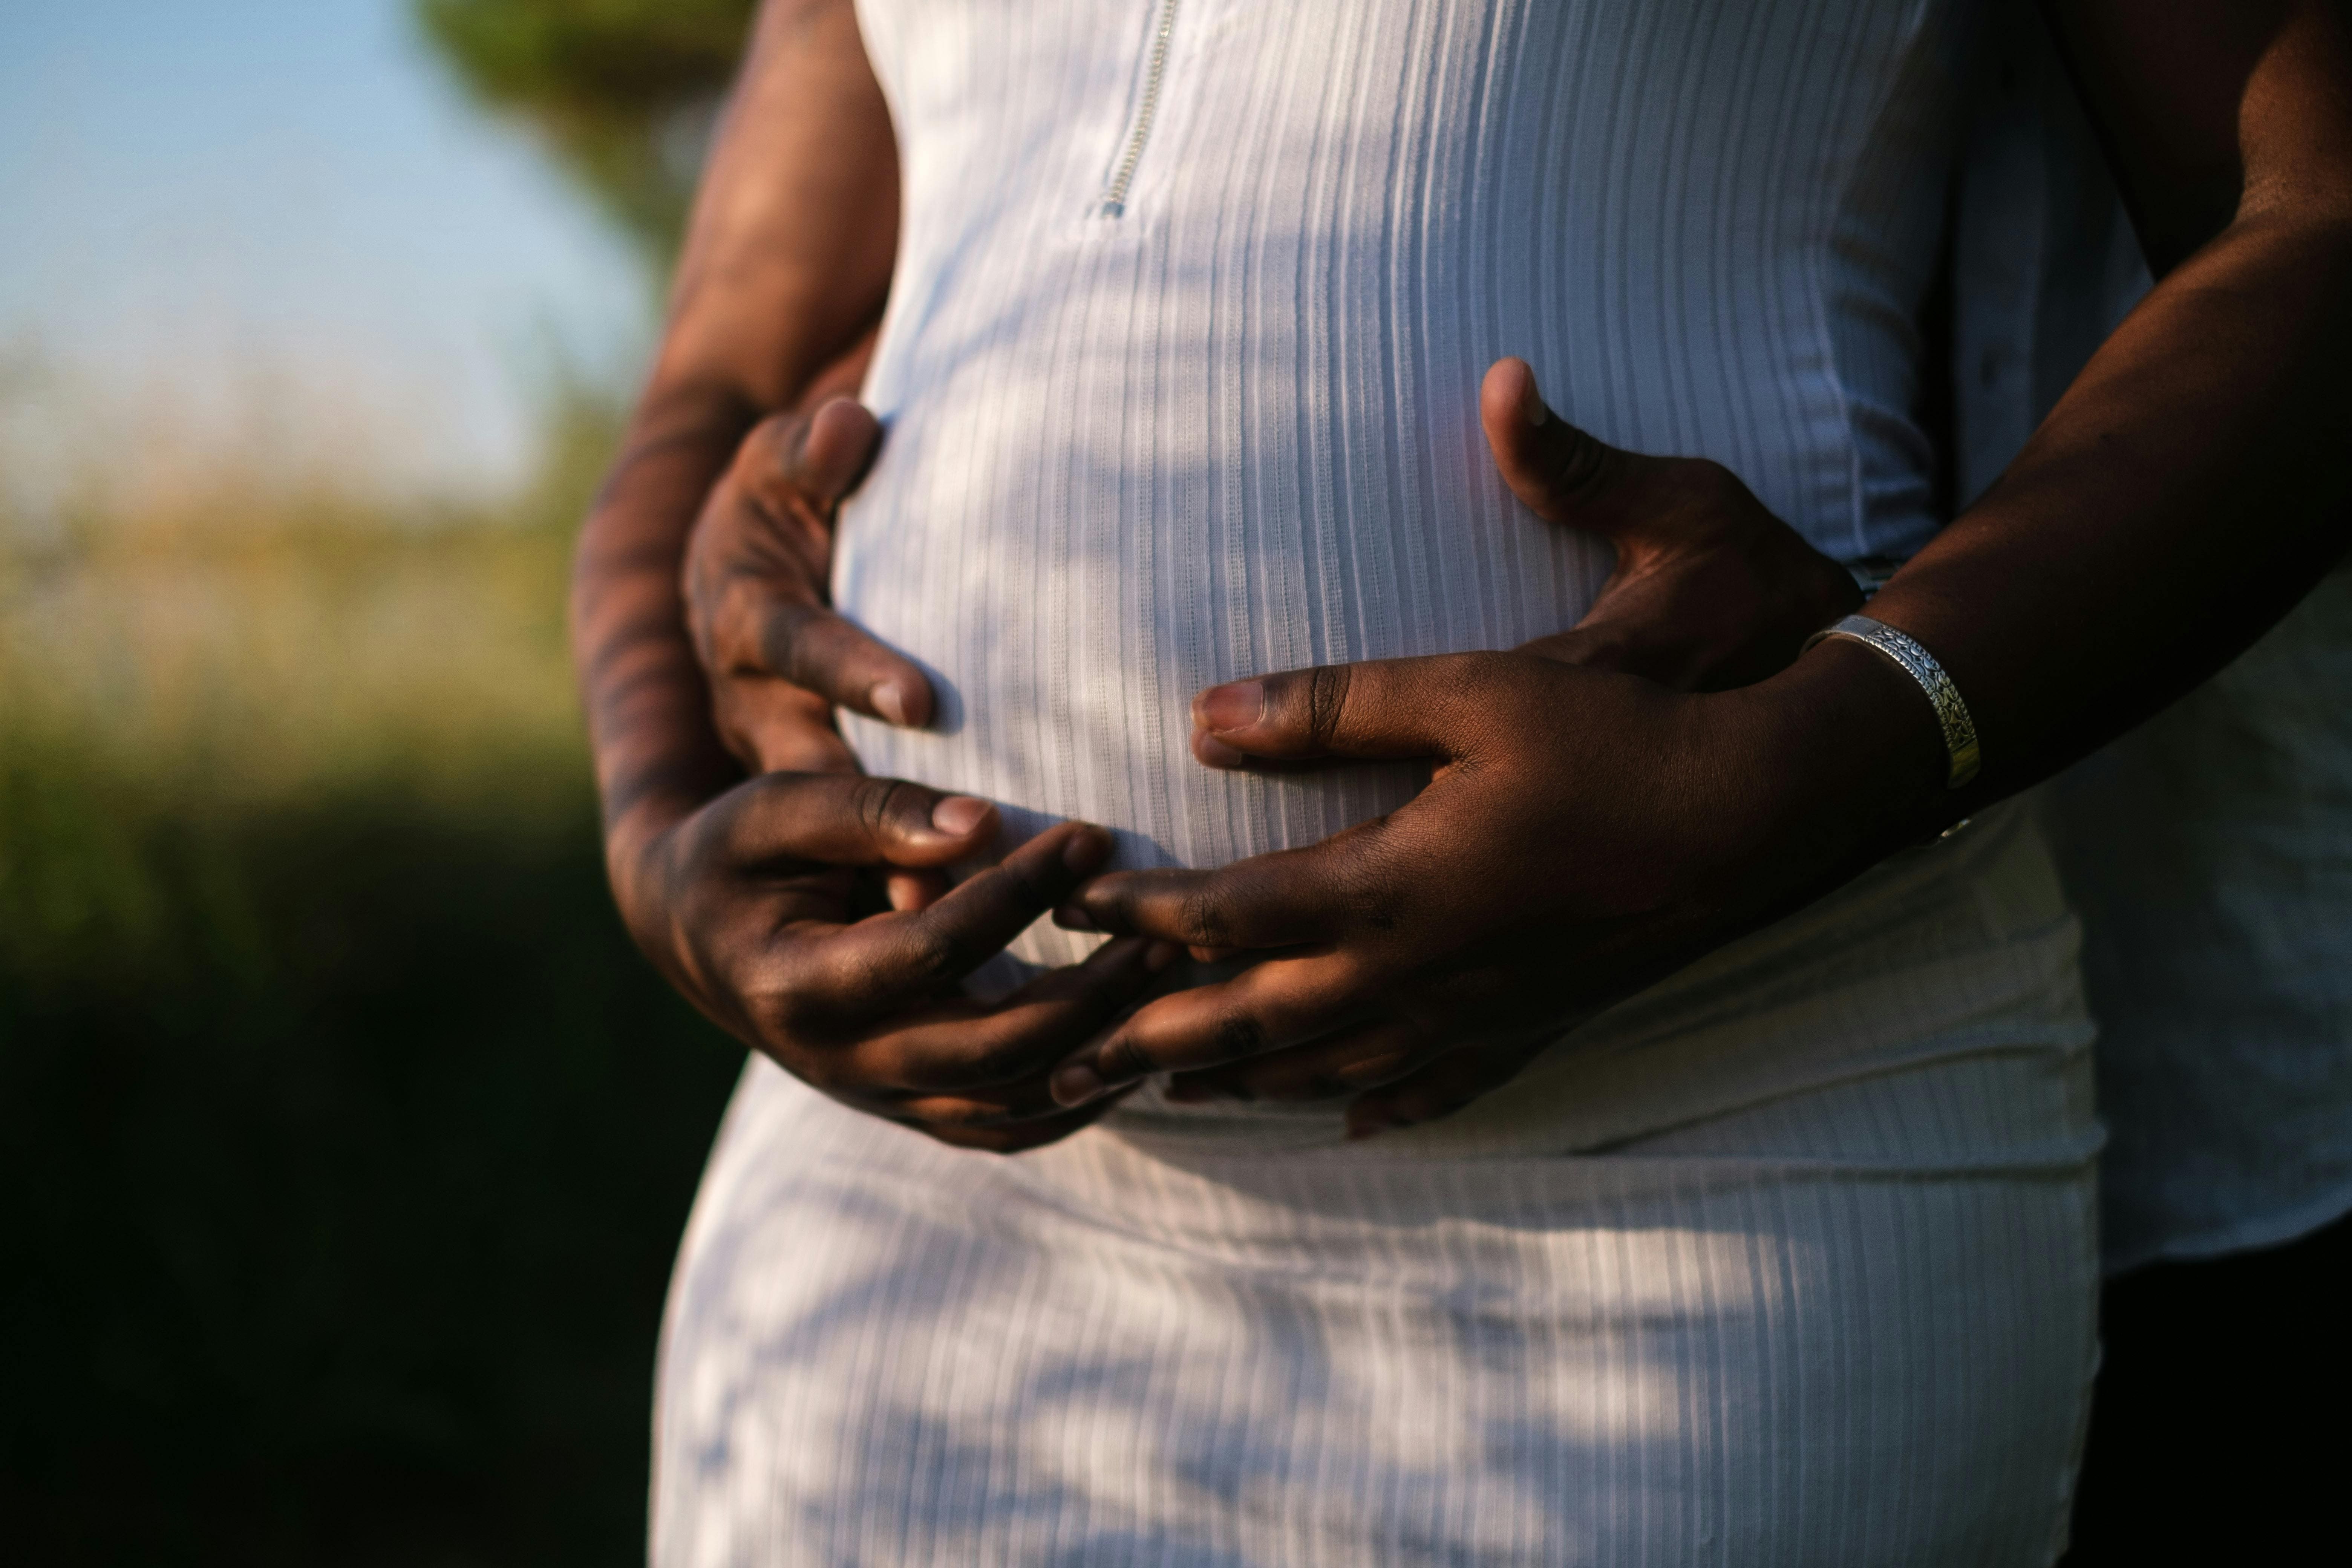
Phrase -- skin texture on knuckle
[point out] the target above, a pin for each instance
(768, 464)
(927, 958)
(744, 625)
(1327, 702)
(1202, 916)
(1123, 1061)
(1580, 470)
(1240, 1035)
(879, 804)
(1373, 886)
(810, 646)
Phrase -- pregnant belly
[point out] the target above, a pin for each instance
(1074, 544)
(1073, 548)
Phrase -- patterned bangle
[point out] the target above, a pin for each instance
(1959, 729)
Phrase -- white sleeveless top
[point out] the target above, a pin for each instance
(1233, 427)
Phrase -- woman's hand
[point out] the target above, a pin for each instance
(756, 580)
(750, 905)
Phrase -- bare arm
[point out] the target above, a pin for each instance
(786, 265)
(804, 910)
(2190, 487)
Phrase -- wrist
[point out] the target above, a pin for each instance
(1848, 755)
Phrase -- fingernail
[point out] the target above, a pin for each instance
(960, 813)
(1214, 753)
(890, 701)
(1531, 402)
(1183, 1091)
(1069, 917)
(1073, 1084)
(1236, 705)
(1084, 851)
(1160, 954)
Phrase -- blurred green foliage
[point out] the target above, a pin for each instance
(622, 91)
(346, 1141)
(344, 1137)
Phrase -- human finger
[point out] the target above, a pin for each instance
(1564, 474)
(851, 819)
(886, 961)
(1288, 898)
(769, 616)
(1281, 1003)
(1386, 708)
(760, 632)
(1012, 1042)
(813, 459)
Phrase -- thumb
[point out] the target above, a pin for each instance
(1563, 473)
(838, 444)
(816, 649)
(1391, 707)
(851, 819)
(762, 623)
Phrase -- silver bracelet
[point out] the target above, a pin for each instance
(1959, 729)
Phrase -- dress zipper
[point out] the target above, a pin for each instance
(1114, 196)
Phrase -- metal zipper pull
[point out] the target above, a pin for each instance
(1114, 196)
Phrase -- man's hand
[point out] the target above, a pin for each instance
(757, 568)
(807, 910)
(1580, 837)
(1711, 590)
(750, 905)
(1565, 835)
(1585, 833)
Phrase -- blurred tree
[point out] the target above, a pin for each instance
(623, 90)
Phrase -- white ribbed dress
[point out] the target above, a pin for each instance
(1790, 1260)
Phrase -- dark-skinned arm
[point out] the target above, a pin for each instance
(2190, 487)
(785, 267)
(803, 909)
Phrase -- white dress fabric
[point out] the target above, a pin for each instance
(1789, 1260)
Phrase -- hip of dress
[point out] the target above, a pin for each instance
(1792, 1260)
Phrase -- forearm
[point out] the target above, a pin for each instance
(2184, 495)
(783, 274)
(2190, 487)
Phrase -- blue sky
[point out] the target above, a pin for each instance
(234, 208)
